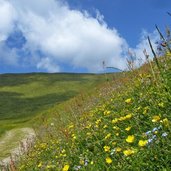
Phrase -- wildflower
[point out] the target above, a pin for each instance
(130, 139)
(148, 132)
(128, 152)
(73, 136)
(155, 132)
(106, 148)
(164, 134)
(165, 122)
(116, 127)
(107, 112)
(65, 168)
(128, 128)
(156, 118)
(105, 126)
(98, 121)
(155, 129)
(114, 120)
(81, 162)
(39, 165)
(145, 110)
(118, 149)
(88, 126)
(86, 163)
(91, 162)
(108, 160)
(129, 116)
(117, 134)
(142, 143)
(108, 136)
(128, 101)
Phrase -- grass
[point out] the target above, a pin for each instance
(24, 96)
(126, 126)
(123, 125)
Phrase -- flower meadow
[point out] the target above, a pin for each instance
(127, 129)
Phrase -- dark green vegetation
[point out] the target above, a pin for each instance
(24, 96)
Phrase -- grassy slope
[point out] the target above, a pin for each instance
(23, 96)
(128, 130)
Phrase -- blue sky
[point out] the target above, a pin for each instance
(76, 35)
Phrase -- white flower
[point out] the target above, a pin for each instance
(164, 134)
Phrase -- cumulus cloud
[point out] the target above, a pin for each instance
(62, 35)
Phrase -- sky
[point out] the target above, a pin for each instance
(77, 35)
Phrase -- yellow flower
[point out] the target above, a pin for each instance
(142, 143)
(91, 162)
(73, 136)
(106, 148)
(108, 160)
(114, 120)
(128, 128)
(117, 134)
(146, 109)
(81, 162)
(165, 122)
(108, 136)
(65, 168)
(128, 100)
(107, 112)
(98, 121)
(129, 116)
(118, 149)
(156, 118)
(116, 128)
(39, 165)
(105, 126)
(130, 139)
(128, 152)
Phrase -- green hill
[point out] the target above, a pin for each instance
(24, 96)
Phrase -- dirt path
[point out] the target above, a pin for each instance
(14, 143)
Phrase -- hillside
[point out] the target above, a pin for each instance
(25, 97)
(127, 128)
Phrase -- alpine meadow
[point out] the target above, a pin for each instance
(111, 112)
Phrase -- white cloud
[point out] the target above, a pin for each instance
(46, 63)
(68, 36)
(7, 17)
(64, 35)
